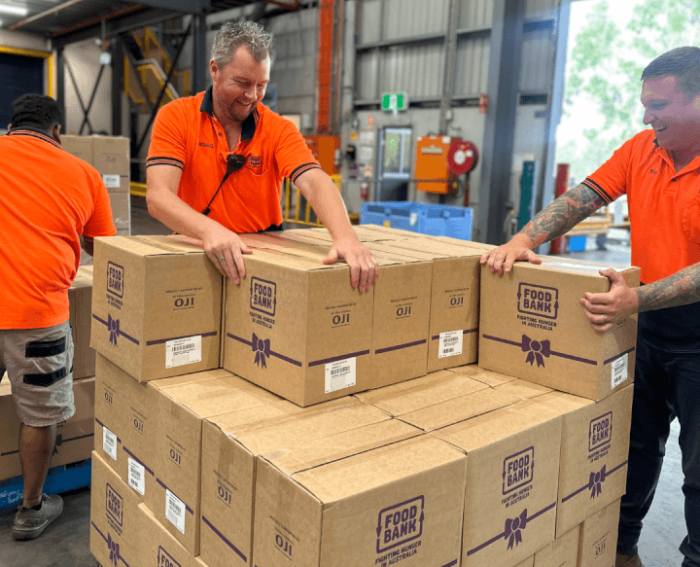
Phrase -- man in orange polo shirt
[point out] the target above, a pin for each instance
(49, 199)
(217, 161)
(659, 171)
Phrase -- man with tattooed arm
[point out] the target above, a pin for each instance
(659, 171)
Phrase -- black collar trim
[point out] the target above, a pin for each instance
(33, 133)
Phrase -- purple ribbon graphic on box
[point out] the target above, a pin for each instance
(261, 348)
(514, 527)
(536, 350)
(113, 550)
(595, 482)
(113, 328)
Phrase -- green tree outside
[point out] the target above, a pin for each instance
(605, 66)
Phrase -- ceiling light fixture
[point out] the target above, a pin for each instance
(14, 10)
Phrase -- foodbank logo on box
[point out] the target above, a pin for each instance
(114, 505)
(600, 431)
(115, 279)
(518, 470)
(400, 524)
(165, 559)
(538, 300)
(263, 296)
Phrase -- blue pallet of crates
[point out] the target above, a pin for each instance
(60, 479)
(424, 218)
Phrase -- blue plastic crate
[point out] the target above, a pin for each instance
(577, 243)
(424, 218)
(60, 479)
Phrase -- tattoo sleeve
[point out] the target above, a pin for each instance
(563, 214)
(681, 288)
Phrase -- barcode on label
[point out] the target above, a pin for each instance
(137, 476)
(175, 510)
(184, 348)
(451, 344)
(109, 443)
(340, 374)
(179, 352)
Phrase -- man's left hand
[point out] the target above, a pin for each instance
(604, 309)
(364, 269)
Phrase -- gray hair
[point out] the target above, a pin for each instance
(234, 34)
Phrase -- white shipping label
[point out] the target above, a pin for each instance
(179, 352)
(619, 371)
(451, 344)
(175, 510)
(109, 443)
(111, 181)
(341, 374)
(137, 476)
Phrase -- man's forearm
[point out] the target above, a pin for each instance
(561, 216)
(177, 215)
(325, 200)
(681, 288)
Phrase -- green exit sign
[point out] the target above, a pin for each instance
(394, 102)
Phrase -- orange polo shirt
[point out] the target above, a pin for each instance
(664, 205)
(48, 200)
(188, 136)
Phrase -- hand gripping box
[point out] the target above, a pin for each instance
(401, 308)
(177, 451)
(598, 544)
(115, 534)
(533, 327)
(231, 451)
(512, 474)
(157, 548)
(437, 400)
(594, 449)
(398, 504)
(126, 422)
(156, 306)
(74, 437)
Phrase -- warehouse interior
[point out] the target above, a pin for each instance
(432, 116)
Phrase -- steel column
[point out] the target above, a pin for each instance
(200, 60)
(504, 76)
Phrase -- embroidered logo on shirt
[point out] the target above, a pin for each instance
(255, 161)
(653, 171)
(206, 145)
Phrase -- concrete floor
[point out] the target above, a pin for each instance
(66, 542)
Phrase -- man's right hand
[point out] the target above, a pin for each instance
(226, 250)
(501, 259)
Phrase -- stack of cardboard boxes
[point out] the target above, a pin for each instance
(293, 420)
(110, 156)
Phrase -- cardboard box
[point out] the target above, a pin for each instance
(454, 307)
(529, 562)
(110, 156)
(78, 146)
(177, 452)
(74, 437)
(533, 327)
(231, 451)
(297, 328)
(80, 299)
(158, 548)
(511, 495)
(598, 544)
(594, 449)
(115, 528)
(493, 379)
(562, 552)
(401, 309)
(156, 306)
(522, 389)
(437, 400)
(126, 421)
(402, 502)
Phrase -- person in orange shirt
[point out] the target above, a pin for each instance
(659, 171)
(49, 199)
(217, 160)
